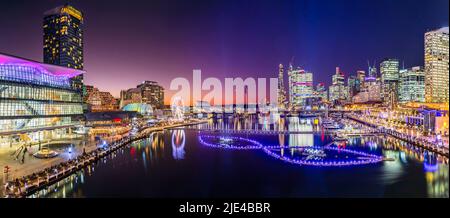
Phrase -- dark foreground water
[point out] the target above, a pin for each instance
(174, 164)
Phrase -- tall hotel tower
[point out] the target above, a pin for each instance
(436, 66)
(63, 39)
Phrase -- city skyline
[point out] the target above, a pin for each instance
(273, 35)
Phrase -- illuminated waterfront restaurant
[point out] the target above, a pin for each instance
(37, 101)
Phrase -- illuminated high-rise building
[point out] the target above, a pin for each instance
(148, 92)
(321, 92)
(281, 90)
(412, 85)
(352, 83)
(371, 74)
(300, 86)
(389, 70)
(370, 90)
(436, 65)
(152, 93)
(337, 89)
(360, 77)
(63, 39)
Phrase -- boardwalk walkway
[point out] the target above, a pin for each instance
(407, 138)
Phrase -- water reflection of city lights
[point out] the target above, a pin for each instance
(178, 143)
(144, 160)
(317, 156)
(430, 167)
(312, 156)
(403, 157)
(372, 145)
(301, 139)
(132, 151)
(430, 162)
(437, 182)
(229, 142)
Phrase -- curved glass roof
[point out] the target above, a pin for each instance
(53, 70)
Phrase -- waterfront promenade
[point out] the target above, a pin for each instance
(34, 176)
(422, 142)
(31, 164)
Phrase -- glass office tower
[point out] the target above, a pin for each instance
(300, 87)
(437, 66)
(412, 85)
(37, 101)
(389, 69)
(337, 89)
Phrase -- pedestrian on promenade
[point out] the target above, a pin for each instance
(24, 152)
(18, 185)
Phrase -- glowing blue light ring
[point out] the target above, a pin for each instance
(430, 167)
(370, 157)
(361, 153)
(256, 144)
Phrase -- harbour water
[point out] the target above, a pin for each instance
(175, 163)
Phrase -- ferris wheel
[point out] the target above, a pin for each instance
(177, 107)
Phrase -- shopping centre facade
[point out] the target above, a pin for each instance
(37, 102)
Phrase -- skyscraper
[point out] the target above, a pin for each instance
(412, 85)
(352, 87)
(300, 86)
(436, 65)
(281, 90)
(360, 77)
(337, 89)
(371, 74)
(63, 39)
(389, 69)
(321, 92)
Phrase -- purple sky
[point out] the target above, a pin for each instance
(127, 42)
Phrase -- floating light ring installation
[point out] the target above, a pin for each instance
(251, 146)
(365, 158)
(362, 159)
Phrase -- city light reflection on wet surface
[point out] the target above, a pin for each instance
(174, 164)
